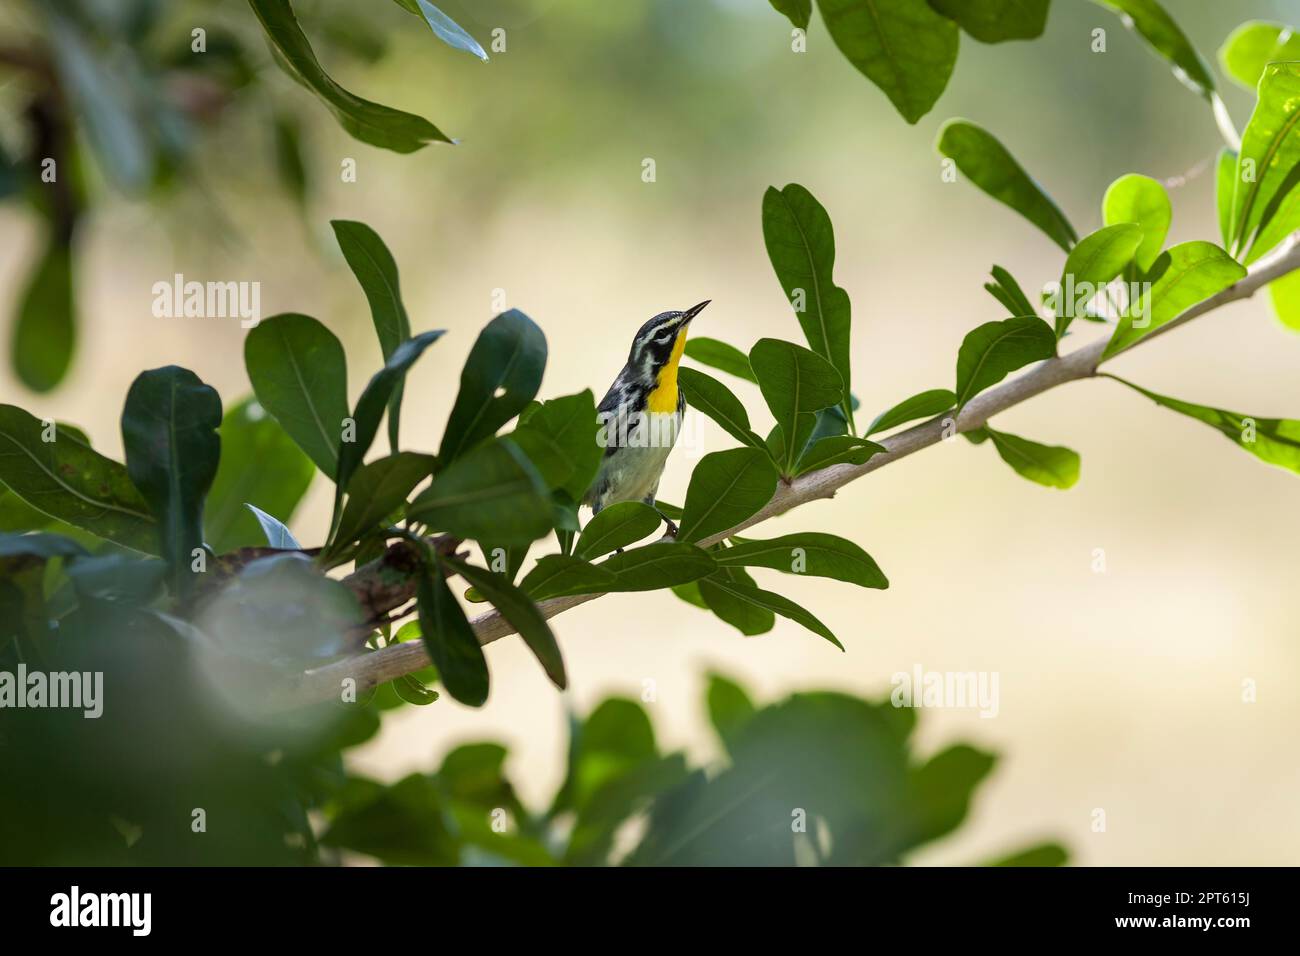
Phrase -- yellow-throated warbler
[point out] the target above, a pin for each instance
(641, 414)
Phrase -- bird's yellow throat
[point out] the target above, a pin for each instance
(663, 397)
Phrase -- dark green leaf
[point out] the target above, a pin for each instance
(774, 602)
(1091, 265)
(939, 791)
(300, 376)
(1044, 854)
(377, 490)
(748, 618)
(42, 547)
(68, 480)
(796, 383)
(836, 450)
(559, 575)
(992, 21)
(902, 46)
(402, 825)
(729, 706)
(560, 439)
(1150, 21)
(663, 564)
(259, 464)
(373, 265)
(925, 404)
(491, 493)
(617, 526)
(1254, 45)
(720, 355)
(450, 640)
(45, 331)
(1183, 276)
(277, 533)
(522, 613)
(994, 350)
(799, 12)
(708, 395)
(801, 245)
(726, 488)
(1140, 200)
(986, 163)
(1007, 290)
(1049, 465)
(169, 431)
(369, 122)
(501, 376)
(808, 552)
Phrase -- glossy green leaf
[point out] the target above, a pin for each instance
(1144, 201)
(836, 450)
(516, 607)
(1284, 293)
(706, 394)
(726, 488)
(993, 21)
(491, 493)
(994, 350)
(500, 377)
(798, 12)
(1270, 150)
(987, 163)
(1050, 465)
(927, 404)
(444, 27)
(796, 383)
(261, 465)
(1150, 21)
(378, 489)
(68, 480)
(1225, 185)
(369, 122)
(618, 526)
(300, 376)
(450, 640)
(169, 431)
(1272, 440)
(748, 618)
(902, 46)
(663, 564)
(1254, 45)
(1091, 265)
(807, 552)
(1182, 276)
(776, 603)
(801, 245)
(1007, 290)
(276, 531)
(560, 438)
(376, 271)
(44, 335)
(720, 355)
(559, 575)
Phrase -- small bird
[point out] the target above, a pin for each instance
(641, 415)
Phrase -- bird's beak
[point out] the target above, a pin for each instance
(694, 310)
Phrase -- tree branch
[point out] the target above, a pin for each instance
(371, 670)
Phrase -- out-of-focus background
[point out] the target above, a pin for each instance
(1120, 691)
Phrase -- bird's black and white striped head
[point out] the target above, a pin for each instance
(656, 343)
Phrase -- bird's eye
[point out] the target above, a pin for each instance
(664, 339)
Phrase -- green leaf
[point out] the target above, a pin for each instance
(259, 464)
(925, 404)
(1091, 265)
(992, 351)
(801, 245)
(444, 27)
(1284, 293)
(708, 395)
(1254, 45)
(939, 792)
(836, 450)
(44, 333)
(1225, 185)
(986, 163)
(902, 46)
(68, 480)
(720, 355)
(1184, 275)
(993, 21)
(748, 618)
(1044, 854)
(808, 552)
(373, 265)
(377, 490)
(516, 607)
(1007, 290)
(1141, 200)
(1049, 465)
(726, 488)
(169, 432)
(403, 825)
(376, 396)
(776, 603)
(277, 533)
(1270, 151)
(560, 438)
(560, 575)
(1272, 440)
(730, 708)
(663, 564)
(617, 526)
(1150, 21)
(795, 383)
(450, 640)
(491, 493)
(42, 547)
(300, 376)
(501, 376)
(369, 122)
(798, 12)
